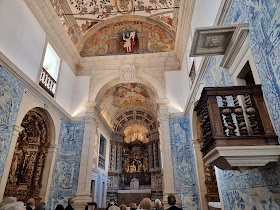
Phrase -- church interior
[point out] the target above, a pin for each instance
(129, 99)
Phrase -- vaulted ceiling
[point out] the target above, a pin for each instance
(98, 27)
(126, 96)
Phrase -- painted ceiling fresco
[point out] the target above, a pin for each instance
(135, 131)
(79, 16)
(128, 37)
(123, 96)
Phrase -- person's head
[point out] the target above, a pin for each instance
(31, 203)
(157, 204)
(8, 200)
(71, 201)
(114, 208)
(123, 207)
(59, 207)
(146, 203)
(41, 206)
(171, 200)
(133, 206)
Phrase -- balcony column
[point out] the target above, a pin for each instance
(83, 195)
(168, 180)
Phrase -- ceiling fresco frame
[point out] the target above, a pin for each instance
(127, 18)
(134, 115)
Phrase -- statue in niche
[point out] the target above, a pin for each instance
(18, 155)
(126, 165)
(123, 179)
(129, 41)
(145, 163)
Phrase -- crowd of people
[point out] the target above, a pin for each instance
(11, 203)
(145, 204)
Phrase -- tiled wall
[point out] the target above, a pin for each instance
(11, 92)
(67, 163)
(184, 170)
(255, 189)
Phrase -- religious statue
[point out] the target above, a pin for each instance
(145, 163)
(126, 165)
(129, 42)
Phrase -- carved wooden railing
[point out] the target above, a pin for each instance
(47, 82)
(234, 116)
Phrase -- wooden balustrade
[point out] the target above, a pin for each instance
(47, 82)
(234, 116)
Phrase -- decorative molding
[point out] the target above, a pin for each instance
(242, 157)
(51, 24)
(223, 12)
(237, 41)
(214, 40)
(127, 73)
(164, 61)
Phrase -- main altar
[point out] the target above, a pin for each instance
(135, 168)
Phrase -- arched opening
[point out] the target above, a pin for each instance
(135, 159)
(26, 171)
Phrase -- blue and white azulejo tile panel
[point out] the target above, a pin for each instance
(184, 169)
(11, 91)
(67, 163)
(254, 189)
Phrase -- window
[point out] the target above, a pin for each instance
(49, 73)
(101, 161)
(192, 74)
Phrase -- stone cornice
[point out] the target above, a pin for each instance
(165, 61)
(56, 34)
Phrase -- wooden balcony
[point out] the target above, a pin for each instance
(236, 127)
(47, 82)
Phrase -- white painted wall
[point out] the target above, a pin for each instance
(178, 82)
(22, 38)
(72, 91)
(177, 87)
(204, 15)
(80, 95)
(65, 87)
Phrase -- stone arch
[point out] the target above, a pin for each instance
(98, 88)
(29, 159)
(128, 116)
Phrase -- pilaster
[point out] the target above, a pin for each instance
(168, 179)
(83, 195)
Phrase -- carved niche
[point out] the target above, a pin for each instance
(25, 176)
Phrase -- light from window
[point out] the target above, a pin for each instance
(49, 71)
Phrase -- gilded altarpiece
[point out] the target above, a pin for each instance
(25, 176)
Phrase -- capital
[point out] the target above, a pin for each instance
(90, 106)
